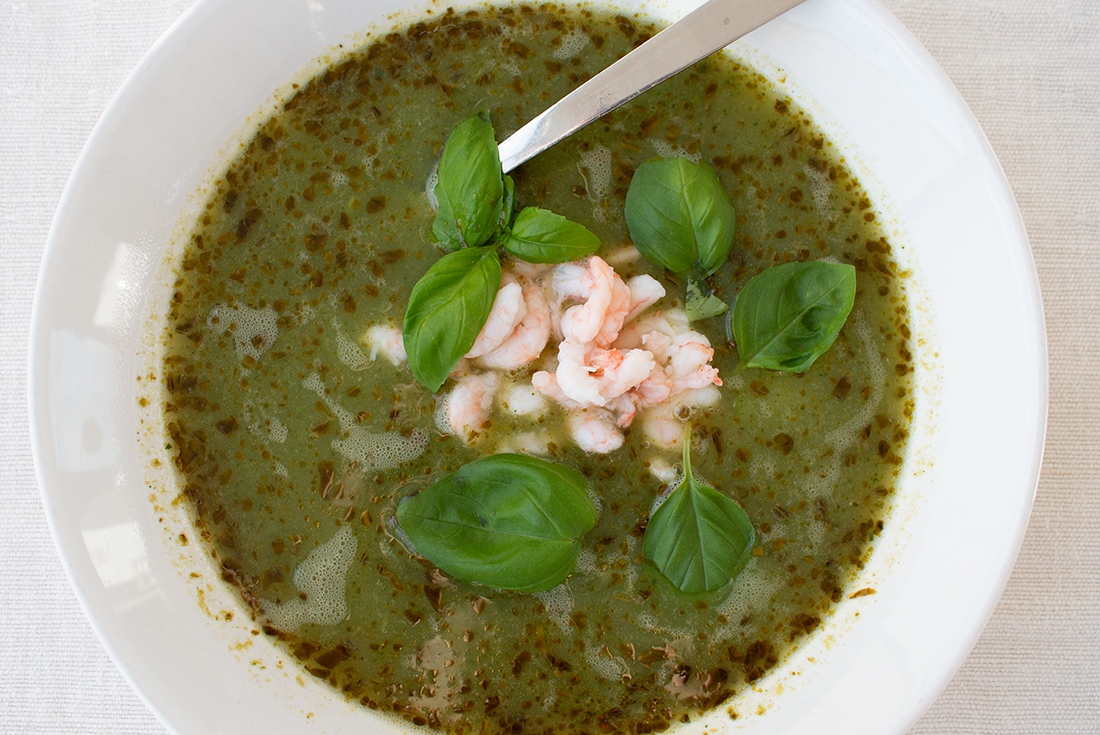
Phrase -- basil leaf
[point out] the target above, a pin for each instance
(539, 236)
(701, 303)
(699, 539)
(508, 208)
(678, 215)
(507, 521)
(470, 188)
(447, 309)
(789, 315)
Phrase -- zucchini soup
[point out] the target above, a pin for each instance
(695, 486)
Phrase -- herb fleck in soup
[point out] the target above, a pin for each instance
(296, 440)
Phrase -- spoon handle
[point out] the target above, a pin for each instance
(708, 28)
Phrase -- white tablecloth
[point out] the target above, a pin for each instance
(1030, 70)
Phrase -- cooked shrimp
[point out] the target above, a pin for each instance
(644, 292)
(532, 271)
(689, 363)
(508, 311)
(662, 428)
(623, 256)
(590, 376)
(521, 399)
(607, 302)
(385, 340)
(624, 406)
(530, 442)
(613, 360)
(655, 389)
(594, 430)
(663, 424)
(529, 338)
(617, 312)
(663, 470)
(462, 368)
(468, 405)
(574, 375)
(582, 322)
(619, 372)
(706, 396)
(658, 343)
(683, 353)
(547, 384)
(669, 322)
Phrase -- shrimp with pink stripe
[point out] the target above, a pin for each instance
(615, 357)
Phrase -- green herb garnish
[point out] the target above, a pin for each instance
(507, 521)
(539, 236)
(701, 303)
(789, 315)
(447, 309)
(470, 188)
(679, 216)
(509, 207)
(698, 538)
(450, 304)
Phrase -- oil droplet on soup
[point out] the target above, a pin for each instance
(295, 438)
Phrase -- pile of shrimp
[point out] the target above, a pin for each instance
(591, 344)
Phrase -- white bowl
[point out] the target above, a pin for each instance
(968, 482)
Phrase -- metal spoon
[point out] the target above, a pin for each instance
(710, 27)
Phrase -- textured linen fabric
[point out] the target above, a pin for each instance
(61, 62)
(1029, 69)
(1030, 72)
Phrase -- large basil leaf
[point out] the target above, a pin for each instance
(470, 188)
(447, 309)
(679, 215)
(789, 315)
(699, 539)
(539, 236)
(507, 521)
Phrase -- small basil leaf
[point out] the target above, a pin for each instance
(539, 236)
(507, 521)
(447, 309)
(701, 303)
(789, 315)
(509, 206)
(699, 539)
(470, 188)
(678, 214)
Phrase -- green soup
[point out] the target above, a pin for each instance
(295, 446)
